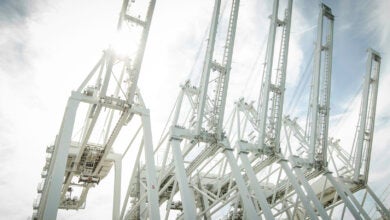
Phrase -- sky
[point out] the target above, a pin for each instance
(48, 47)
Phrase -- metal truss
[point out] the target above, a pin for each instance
(195, 141)
(256, 164)
(341, 162)
(320, 94)
(103, 106)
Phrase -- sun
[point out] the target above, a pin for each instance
(125, 43)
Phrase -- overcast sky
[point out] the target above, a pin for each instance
(48, 47)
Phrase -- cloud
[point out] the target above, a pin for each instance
(14, 34)
(377, 22)
(15, 11)
(46, 48)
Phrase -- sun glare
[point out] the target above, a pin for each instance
(125, 44)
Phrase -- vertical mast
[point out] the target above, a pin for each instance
(135, 69)
(272, 91)
(222, 72)
(320, 94)
(367, 116)
(207, 66)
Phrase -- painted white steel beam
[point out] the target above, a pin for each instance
(310, 193)
(137, 63)
(117, 188)
(151, 177)
(254, 184)
(188, 199)
(342, 194)
(266, 84)
(49, 208)
(243, 190)
(367, 115)
(270, 101)
(320, 93)
(207, 66)
(302, 196)
(224, 75)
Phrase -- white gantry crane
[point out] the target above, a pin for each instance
(196, 134)
(339, 187)
(257, 164)
(307, 155)
(286, 187)
(96, 114)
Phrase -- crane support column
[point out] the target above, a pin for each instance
(310, 193)
(254, 183)
(188, 199)
(151, 178)
(117, 187)
(207, 65)
(57, 169)
(300, 192)
(244, 193)
(320, 94)
(367, 116)
(270, 103)
(342, 194)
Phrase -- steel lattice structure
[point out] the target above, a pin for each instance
(258, 163)
(81, 161)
